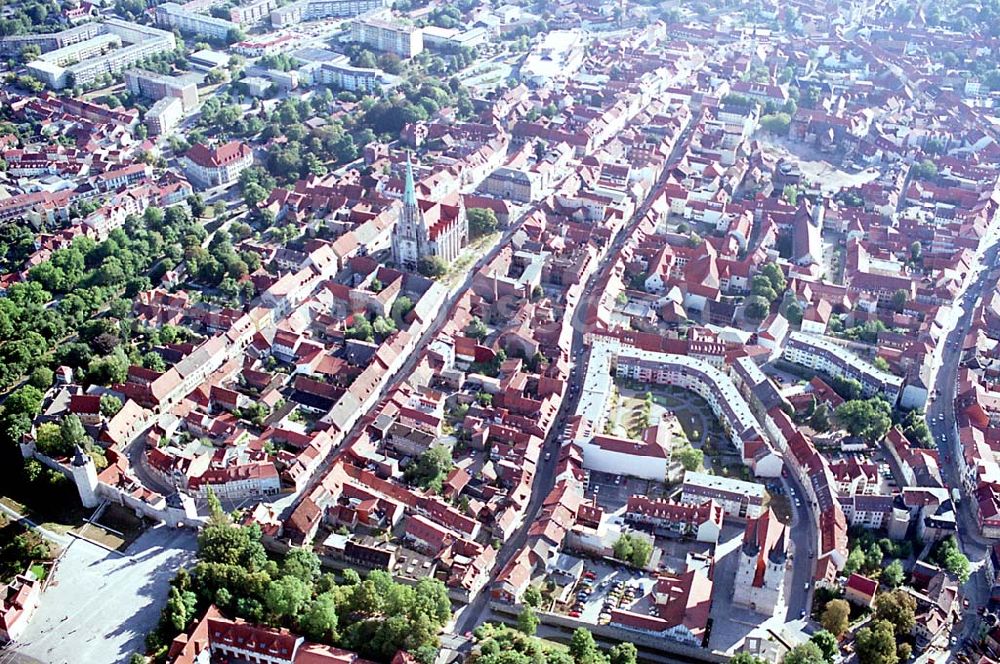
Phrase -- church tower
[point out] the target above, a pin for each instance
(409, 235)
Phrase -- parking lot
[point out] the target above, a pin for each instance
(605, 586)
(613, 491)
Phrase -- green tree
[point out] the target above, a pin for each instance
(233, 545)
(947, 554)
(527, 621)
(153, 360)
(633, 549)
(689, 457)
(776, 123)
(805, 653)
(432, 266)
(73, 433)
(41, 378)
(827, 643)
(583, 649)
(401, 309)
(836, 616)
(793, 313)
(899, 299)
(476, 329)
(286, 597)
(876, 644)
(110, 405)
(532, 597)
(925, 170)
(27, 399)
(757, 308)
(319, 621)
(855, 561)
(623, 653)
(775, 275)
(49, 441)
(302, 563)
(848, 388)
(868, 419)
(746, 658)
(254, 195)
(820, 419)
(898, 608)
(892, 575)
(482, 221)
(760, 286)
(430, 468)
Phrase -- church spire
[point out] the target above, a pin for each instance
(410, 190)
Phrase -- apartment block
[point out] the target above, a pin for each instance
(171, 15)
(51, 41)
(347, 77)
(738, 498)
(85, 50)
(101, 54)
(253, 12)
(405, 41)
(820, 354)
(314, 10)
(164, 115)
(157, 86)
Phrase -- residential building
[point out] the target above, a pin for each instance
(174, 16)
(100, 55)
(164, 115)
(313, 10)
(348, 77)
(157, 86)
(388, 36)
(820, 354)
(860, 590)
(20, 600)
(211, 167)
(703, 522)
(744, 500)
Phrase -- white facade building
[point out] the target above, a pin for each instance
(820, 354)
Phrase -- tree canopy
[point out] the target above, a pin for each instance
(375, 617)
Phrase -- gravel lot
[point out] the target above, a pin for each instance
(101, 604)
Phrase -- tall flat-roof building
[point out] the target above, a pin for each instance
(51, 41)
(405, 41)
(120, 45)
(157, 86)
(172, 15)
(164, 115)
(314, 10)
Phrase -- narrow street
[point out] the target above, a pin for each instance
(941, 420)
(475, 611)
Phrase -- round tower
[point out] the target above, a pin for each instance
(85, 478)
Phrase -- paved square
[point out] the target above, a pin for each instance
(100, 604)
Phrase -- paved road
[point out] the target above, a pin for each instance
(804, 536)
(100, 605)
(942, 423)
(544, 480)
